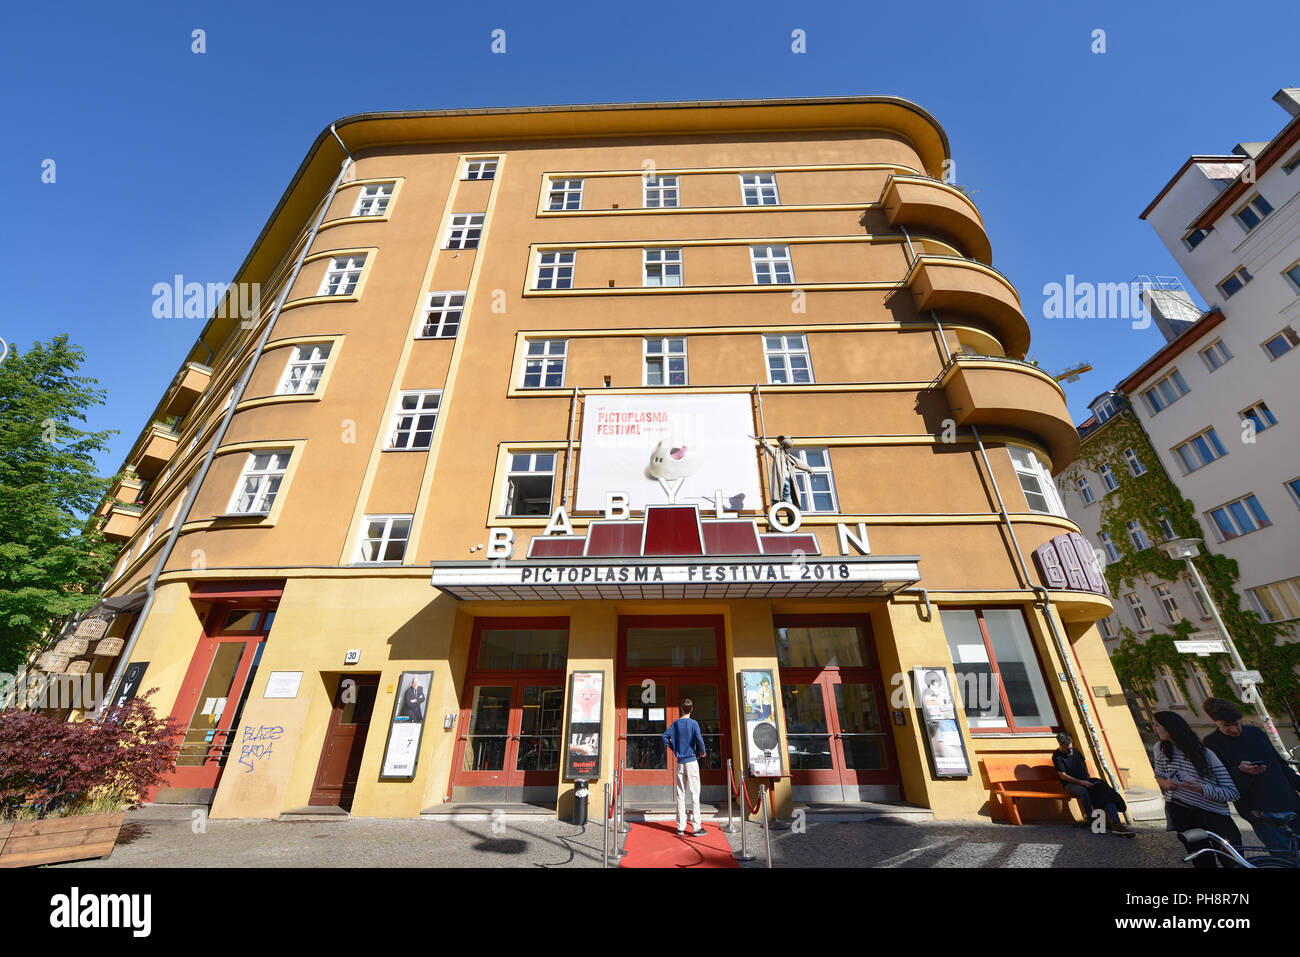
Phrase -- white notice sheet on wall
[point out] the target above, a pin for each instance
(283, 684)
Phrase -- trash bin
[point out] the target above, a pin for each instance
(580, 795)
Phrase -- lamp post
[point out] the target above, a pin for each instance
(1187, 549)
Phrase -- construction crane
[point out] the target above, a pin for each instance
(1073, 372)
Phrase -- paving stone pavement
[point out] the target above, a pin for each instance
(147, 842)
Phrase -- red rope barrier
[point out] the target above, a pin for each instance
(753, 809)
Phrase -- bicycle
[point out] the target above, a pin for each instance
(1268, 859)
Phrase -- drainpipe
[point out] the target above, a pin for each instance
(152, 585)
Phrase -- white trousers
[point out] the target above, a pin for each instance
(686, 779)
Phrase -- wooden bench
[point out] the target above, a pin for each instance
(1015, 776)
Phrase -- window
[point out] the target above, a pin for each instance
(1193, 239)
(1165, 392)
(816, 488)
(1292, 274)
(1234, 282)
(1106, 628)
(544, 364)
(529, 482)
(481, 169)
(1279, 601)
(1282, 343)
(660, 192)
(1259, 414)
(305, 368)
(565, 194)
(442, 315)
(383, 539)
(465, 231)
(555, 270)
(1199, 597)
(787, 359)
(373, 200)
(1238, 518)
(1249, 215)
(772, 265)
(1166, 529)
(1085, 491)
(1173, 694)
(1111, 551)
(1290, 165)
(1137, 536)
(1104, 410)
(662, 267)
(1001, 681)
(413, 422)
(759, 189)
(1134, 463)
(1036, 482)
(260, 482)
(343, 275)
(1139, 613)
(665, 361)
(1108, 477)
(1200, 450)
(148, 536)
(1215, 354)
(1293, 486)
(1168, 604)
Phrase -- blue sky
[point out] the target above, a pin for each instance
(169, 161)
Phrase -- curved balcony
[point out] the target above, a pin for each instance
(1005, 393)
(156, 450)
(918, 202)
(186, 388)
(121, 521)
(976, 292)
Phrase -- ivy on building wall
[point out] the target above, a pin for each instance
(1146, 499)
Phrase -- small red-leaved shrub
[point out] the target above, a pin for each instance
(56, 767)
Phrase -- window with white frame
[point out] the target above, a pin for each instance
(414, 420)
(1167, 602)
(1085, 491)
(1104, 410)
(1165, 392)
(1260, 415)
(180, 502)
(343, 275)
(1254, 210)
(1279, 601)
(1282, 343)
(1112, 552)
(530, 479)
(306, 366)
(564, 194)
(788, 360)
(1193, 239)
(464, 231)
(555, 269)
(1166, 529)
(544, 363)
(660, 192)
(148, 535)
(1173, 694)
(260, 482)
(1200, 684)
(1233, 283)
(665, 361)
(1290, 165)
(1036, 482)
(1108, 478)
(1292, 273)
(662, 267)
(1106, 627)
(1241, 517)
(383, 539)
(373, 200)
(772, 265)
(122, 562)
(1215, 354)
(480, 169)
(1137, 536)
(1139, 613)
(816, 488)
(442, 315)
(1198, 596)
(759, 189)
(1200, 450)
(1134, 463)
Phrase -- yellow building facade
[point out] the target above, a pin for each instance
(537, 421)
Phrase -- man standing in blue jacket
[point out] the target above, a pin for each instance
(684, 737)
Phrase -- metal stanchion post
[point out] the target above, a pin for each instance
(762, 799)
(731, 824)
(605, 829)
(743, 854)
(619, 852)
(622, 813)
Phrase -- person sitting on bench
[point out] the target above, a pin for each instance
(1091, 792)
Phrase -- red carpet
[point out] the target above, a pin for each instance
(656, 844)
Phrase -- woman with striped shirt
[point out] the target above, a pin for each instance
(1196, 785)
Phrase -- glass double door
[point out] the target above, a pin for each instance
(836, 733)
(650, 703)
(512, 733)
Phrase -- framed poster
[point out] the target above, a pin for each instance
(758, 712)
(407, 727)
(586, 708)
(943, 740)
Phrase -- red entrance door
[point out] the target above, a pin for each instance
(213, 693)
(345, 742)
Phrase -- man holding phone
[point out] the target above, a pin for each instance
(1266, 783)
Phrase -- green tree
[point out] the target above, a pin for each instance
(52, 557)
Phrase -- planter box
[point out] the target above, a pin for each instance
(56, 839)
